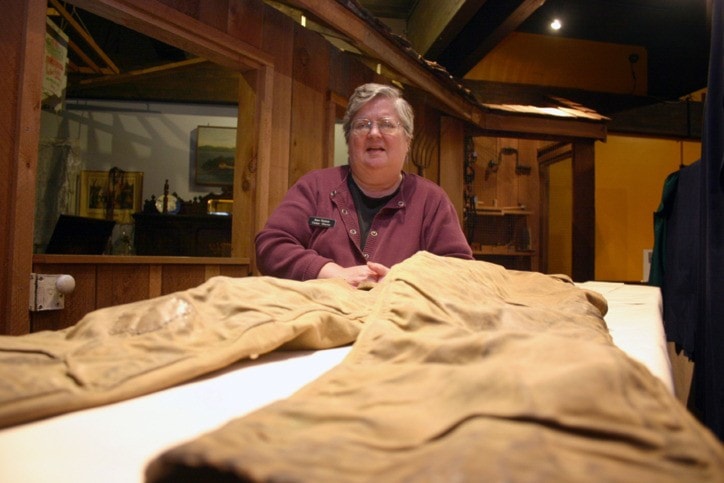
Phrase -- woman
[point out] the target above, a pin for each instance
(354, 222)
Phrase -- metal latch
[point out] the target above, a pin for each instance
(47, 292)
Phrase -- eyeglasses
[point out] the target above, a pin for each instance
(362, 127)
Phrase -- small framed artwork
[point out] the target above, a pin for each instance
(215, 155)
(98, 195)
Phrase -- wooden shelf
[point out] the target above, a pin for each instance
(503, 211)
(502, 250)
(135, 260)
(500, 234)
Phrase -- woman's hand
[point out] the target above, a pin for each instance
(357, 275)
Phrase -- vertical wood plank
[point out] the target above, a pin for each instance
(121, 284)
(507, 179)
(543, 219)
(584, 212)
(452, 160)
(245, 20)
(311, 73)
(424, 155)
(188, 7)
(103, 284)
(307, 131)
(181, 277)
(211, 271)
(246, 169)
(215, 13)
(264, 111)
(280, 45)
(155, 280)
(485, 182)
(529, 195)
(234, 271)
(22, 41)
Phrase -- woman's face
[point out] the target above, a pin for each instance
(376, 158)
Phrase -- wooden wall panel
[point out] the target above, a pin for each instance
(280, 45)
(584, 211)
(507, 180)
(485, 183)
(78, 303)
(120, 284)
(506, 186)
(245, 20)
(236, 271)
(192, 8)
(503, 185)
(310, 65)
(309, 87)
(424, 156)
(215, 14)
(102, 281)
(452, 160)
(181, 277)
(307, 134)
(339, 74)
(22, 40)
(247, 163)
(529, 194)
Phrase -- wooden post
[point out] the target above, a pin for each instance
(584, 212)
(452, 160)
(22, 42)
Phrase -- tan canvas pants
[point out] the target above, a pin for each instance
(466, 372)
(129, 350)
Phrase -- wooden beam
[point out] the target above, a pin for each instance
(22, 42)
(511, 22)
(90, 63)
(539, 127)
(173, 27)
(377, 45)
(452, 165)
(583, 266)
(84, 34)
(553, 153)
(494, 21)
(433, 24)
(140, 73)
(678, 120)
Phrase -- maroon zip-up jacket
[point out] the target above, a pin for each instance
(316, 223)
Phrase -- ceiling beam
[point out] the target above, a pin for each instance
(134, 75)
(87, 37)
(432, 24)
(489, 26)
(170, 25)
(376, 45)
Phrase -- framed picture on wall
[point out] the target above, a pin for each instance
(96, 190)
(215, 155)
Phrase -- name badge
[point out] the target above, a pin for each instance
(321, 222)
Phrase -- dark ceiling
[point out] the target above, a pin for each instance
(674, 33)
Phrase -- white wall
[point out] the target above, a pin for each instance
(156, 138)
(340, 146)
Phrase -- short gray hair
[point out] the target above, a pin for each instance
(365, 93)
